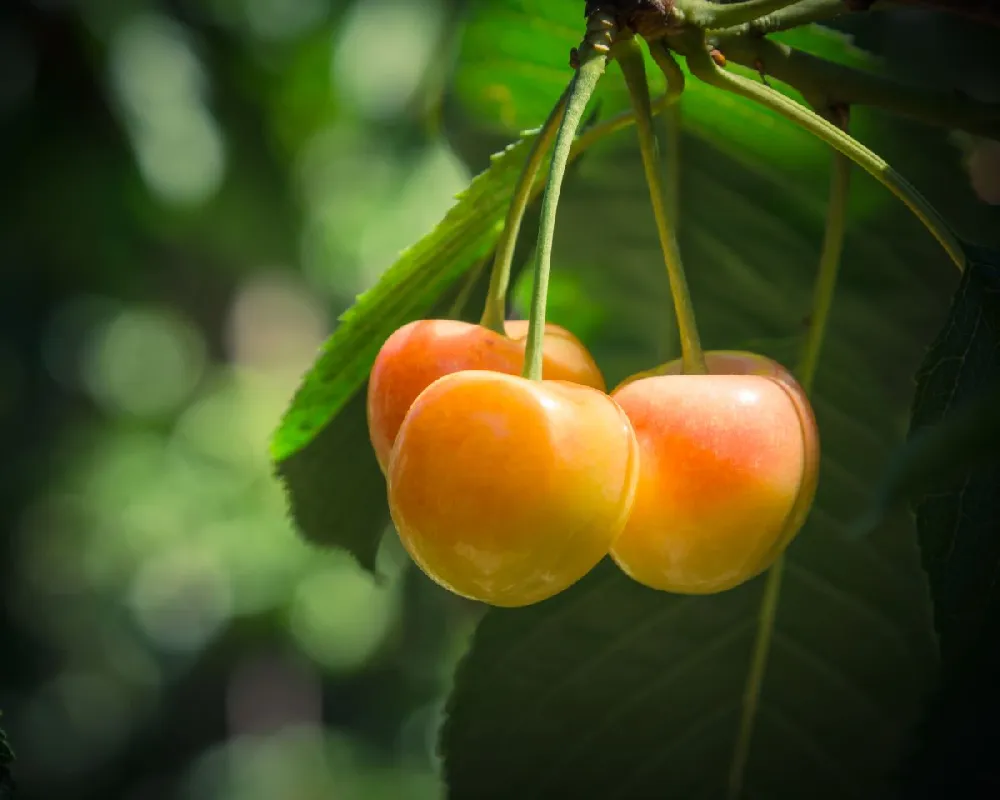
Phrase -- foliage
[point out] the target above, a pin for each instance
(335, 487)
(184, 213)
(194, 191)
(6, 759)
(613, 690)
(332, 480)
(958, 522)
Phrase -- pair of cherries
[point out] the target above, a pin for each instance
(508, 491)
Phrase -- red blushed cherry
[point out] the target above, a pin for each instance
(729, 463)
(419, 353)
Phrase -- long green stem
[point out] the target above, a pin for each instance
(823, 292)
(713, 16)
(593, 61)
(829, 267)
(758, 666)
(703, 67)
(495, 311)
(674, 75)
(602, 130)
(671, 70)
(629, 57)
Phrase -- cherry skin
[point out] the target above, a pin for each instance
(508, 491)
(419, 353)
(729, 464)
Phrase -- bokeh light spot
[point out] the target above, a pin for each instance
(383, 51)
(281, 19)
(181, 599)
(159, 84)
(340, 616)
(144, 362)
(276, 325)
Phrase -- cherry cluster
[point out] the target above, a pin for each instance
(508, 490)
(512, 472)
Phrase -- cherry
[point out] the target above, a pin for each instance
(507, 490)
(421, 352)
(729, 463)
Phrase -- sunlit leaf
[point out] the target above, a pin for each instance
(405, 291)
(335, 489)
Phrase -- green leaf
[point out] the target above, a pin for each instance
(336, 492)
(513, 65)
(406, 291)
(612, 690)
(530, 78)
(611, 687)
(961, 552)
(963, 439)
(6, 760)
(335, 489)
(958, 523)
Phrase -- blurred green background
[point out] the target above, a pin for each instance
(192, 192)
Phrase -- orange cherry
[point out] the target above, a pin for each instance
(507, 490)
(419, 353)
(729, 463)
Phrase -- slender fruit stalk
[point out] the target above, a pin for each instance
(593, 58)
(629, 57)
(829, 267)
(826, 281)
(704, 68)
(674, 75)
(495, 312)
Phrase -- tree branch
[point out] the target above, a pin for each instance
(802, 13)
(705, 68)
(987, 11)
(807, 11)
(709, 15)
(824, 84)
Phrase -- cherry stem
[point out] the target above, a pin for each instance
(829, 267)
(495, 311)
(826, 282)
(674, 75)
(593, 55)
(704, 68)
(758, 666)
(633, 66)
